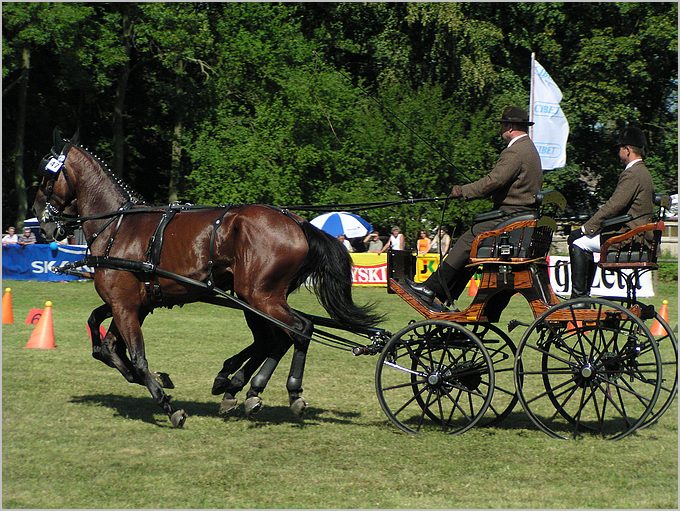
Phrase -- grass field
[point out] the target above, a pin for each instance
(76, 435)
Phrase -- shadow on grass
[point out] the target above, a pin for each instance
(144, 409)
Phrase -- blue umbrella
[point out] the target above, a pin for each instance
(349, 224)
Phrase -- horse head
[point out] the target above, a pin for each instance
(55, 198)
(69, 172)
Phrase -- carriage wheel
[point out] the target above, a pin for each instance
(668, 351)
(434, 375)
(601, 376)
(502, 352)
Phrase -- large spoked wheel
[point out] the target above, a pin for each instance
(434, 375)
(668, 350)
(594, 371)
(502, 352)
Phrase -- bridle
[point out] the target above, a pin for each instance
(51, 166)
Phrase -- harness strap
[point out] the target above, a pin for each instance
(213, 237)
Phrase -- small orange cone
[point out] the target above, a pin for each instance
(102, 331)
(473, 287)
(42, 337)
(7, 312)
(658, 329)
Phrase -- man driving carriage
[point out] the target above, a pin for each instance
(633, 196)
(512, 184)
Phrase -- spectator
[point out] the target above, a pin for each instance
(27, 238)
(396, 241)
(11, 236)
(343, 239)
(443, 240)
(423, 243)
(373, 243)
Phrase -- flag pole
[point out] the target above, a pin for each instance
(531, 94)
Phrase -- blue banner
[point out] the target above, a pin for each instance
(34, 262)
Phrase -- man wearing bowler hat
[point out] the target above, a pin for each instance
(512, 185)
(634, 196)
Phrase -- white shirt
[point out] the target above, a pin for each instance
(516, 139)
(632, 163)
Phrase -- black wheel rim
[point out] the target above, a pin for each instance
(434, 375)
(668, 351)
(601, 377)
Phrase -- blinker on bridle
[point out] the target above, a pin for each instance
(51, 166)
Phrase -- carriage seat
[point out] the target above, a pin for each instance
(636, 248)
(517, 239)
(522, 237)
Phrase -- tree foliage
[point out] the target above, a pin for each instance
(323, 103)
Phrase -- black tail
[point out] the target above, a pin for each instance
(330, 267)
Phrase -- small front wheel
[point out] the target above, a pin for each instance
(434, 375)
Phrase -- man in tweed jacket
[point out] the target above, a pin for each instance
(634, 196)
(512, 185)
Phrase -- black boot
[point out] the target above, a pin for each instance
(435, 286)
(582, 266)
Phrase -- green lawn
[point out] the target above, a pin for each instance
(76, 435)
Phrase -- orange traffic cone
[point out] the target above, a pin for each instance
(7, 313)
(42, 337)
(658, 329)
(473, 287)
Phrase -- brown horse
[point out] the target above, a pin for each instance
(146, 257)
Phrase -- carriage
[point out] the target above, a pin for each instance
(582, 366)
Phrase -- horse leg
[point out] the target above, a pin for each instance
(108, 350)
(113, 353)
(253, 403)
(297, 367)
(128, 323)
(223, 379)
(238, 381)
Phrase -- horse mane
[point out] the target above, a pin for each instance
(122, 186)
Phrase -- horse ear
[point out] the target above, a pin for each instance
(58, 141)
(75, 139)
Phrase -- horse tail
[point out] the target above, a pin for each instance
(328, 271)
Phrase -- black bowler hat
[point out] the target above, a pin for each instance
(515, 115)
(634, 137)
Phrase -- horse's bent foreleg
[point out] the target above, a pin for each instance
(129, 326)
(109, 350)
(222, 380)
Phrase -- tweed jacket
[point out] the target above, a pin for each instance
(634, 196)
(514, 181)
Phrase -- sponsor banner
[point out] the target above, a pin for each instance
(369, 269)
(425, 266)
(606, 282)
(34, 262)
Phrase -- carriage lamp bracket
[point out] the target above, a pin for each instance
(504, 270)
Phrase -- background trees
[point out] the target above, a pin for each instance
(330, 102)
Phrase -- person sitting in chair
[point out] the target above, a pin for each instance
(512, 184)
(634, 196)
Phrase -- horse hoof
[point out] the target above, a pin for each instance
(219, 385)
(252, 405)
(177, 418)
(298, 407)
(228, 404)
(163, 379)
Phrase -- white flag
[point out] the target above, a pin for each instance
(551, 128)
